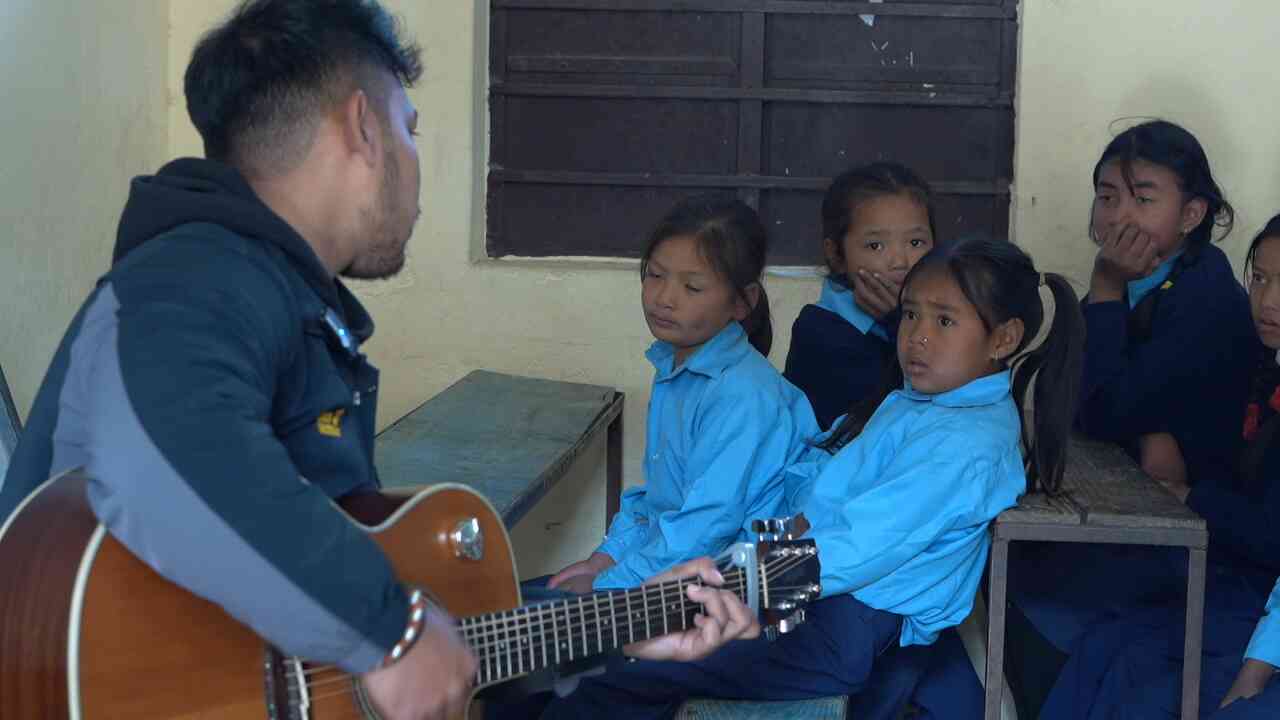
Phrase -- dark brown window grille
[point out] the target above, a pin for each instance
(605, 112)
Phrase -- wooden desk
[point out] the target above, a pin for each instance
(510, 437)
(1107, 499)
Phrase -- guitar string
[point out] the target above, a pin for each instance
(348, 683)
(589, 624)
(488, 628)
(495, 634)
(550, 618)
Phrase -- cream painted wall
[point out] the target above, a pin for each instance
(83, 87)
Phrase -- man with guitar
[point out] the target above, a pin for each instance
(212, 384)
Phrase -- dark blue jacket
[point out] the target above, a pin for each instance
(1190, 377)
(834, 363)
(1241, 504)
(212, 385)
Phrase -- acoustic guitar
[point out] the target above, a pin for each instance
(87, 630)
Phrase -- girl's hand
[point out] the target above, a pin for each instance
(591, 567)
(1251, 680)
(876, 294)
(1162, 460)
(1126, 254)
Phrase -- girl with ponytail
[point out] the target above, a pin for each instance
(899, 499)
(722, 422)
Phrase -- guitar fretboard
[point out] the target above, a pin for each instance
(514, 642)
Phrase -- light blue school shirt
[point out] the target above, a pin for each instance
(721, 429)
(1139, 288)
(839, 299)
(1265, 643)
(900, 514)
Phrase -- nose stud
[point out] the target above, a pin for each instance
(924, 340)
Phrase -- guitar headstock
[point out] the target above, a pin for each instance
(781, 572)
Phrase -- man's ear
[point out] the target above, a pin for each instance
(742, 308)
(1005, 339)
(361, 128)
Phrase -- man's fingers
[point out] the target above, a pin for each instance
(702, 567)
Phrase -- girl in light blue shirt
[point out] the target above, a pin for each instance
(1255, 694)
(722, 422)
(899, 498)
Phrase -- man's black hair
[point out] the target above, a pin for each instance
(258, 84)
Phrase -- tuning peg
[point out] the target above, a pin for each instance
(785, 625)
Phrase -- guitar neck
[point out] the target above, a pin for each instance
(515, 642)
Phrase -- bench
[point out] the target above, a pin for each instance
(510, 438)
(1106, 498)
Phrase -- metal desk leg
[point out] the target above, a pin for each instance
(613, 469)
(995, 626)
(1195, 631)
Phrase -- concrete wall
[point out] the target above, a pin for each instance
(83, 87)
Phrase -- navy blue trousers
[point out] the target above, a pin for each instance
(1065, 589)
(949, 689)
(1131, 667)
(1264, 706)
(831, 653)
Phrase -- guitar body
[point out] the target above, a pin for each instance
(89, 631)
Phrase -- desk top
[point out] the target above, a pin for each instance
(1104, 488)
(508, 437)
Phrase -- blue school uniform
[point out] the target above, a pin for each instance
(721, 428)
(1264, 646)
(1189, 378)
(1128, 664)
(900, 517)
(838, 353)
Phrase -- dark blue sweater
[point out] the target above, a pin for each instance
(1190, 378)
(1241, 504)
(834, 363)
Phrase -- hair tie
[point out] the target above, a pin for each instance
(1049, 308)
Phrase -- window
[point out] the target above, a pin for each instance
(605, 112)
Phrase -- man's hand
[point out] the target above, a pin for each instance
(876, 294)
(591, 567)
(1251, 680)
(1162, 460)
(724, 618)
(432, 681)
(1126, 254)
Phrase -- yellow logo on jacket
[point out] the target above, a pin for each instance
(330, 423)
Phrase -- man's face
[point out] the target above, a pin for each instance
(388, 223)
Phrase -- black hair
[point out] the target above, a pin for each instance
(258, 84)
(1002, 283)
(860, 184)
(1270, 230)
(1173, 147)
(733, 241)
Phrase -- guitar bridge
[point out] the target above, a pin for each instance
(285, 686)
